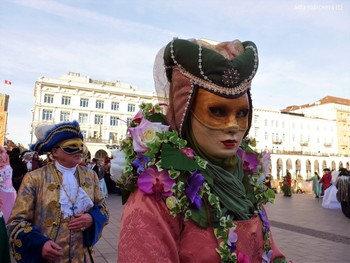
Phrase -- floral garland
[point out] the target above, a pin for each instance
(158, 162)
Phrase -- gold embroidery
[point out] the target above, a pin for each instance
(17, 256)
(18, 243)
(53, 187)
(27, 229)
(52, 205)
(49, 222)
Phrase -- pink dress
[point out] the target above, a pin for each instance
(150, 234)
(8, 193)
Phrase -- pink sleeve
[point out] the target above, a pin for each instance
(148, 233)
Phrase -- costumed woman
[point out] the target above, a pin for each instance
(192, 198)
(329, 199)
(287, 185)
(7, 191)
(60, 212)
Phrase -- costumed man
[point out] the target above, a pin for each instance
(191, 198)
(343, 195)
(60, 212)
(316, 187)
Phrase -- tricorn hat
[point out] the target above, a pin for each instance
(49, 135)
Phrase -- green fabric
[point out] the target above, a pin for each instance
(4, 243)
(227, 183)
(186, 54)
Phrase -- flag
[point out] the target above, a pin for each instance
(7, 82)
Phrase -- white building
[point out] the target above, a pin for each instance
(304, 139)
(102, 108)
(299, 141)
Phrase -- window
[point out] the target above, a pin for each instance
(83, 118)
(266, 136)
(115, 106)
(84, 133)
(64, 116)
(84, 103)
(98, 119)
(47, 115)
(65, 100)
(113, 121)
(48, 98)
(128, 121)
(131, 107)
(99, 104)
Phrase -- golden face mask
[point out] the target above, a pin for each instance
(73, 146)
(219, 113)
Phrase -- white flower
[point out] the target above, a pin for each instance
(118, 162)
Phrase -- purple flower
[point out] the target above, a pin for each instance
(140, 162)
(232, 239)
(266, 257)
(194, 183)
(151, 181)
(249, 159)
(145, 133)
(264, 219)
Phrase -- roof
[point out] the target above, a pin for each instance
(324, 100)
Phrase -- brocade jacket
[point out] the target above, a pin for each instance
(37, 217)
(148, 233)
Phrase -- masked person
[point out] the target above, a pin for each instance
(193, 195)
(60, 211)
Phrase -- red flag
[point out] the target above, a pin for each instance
(7, 82)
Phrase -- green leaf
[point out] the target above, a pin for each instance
(177, 160)
(200, 216)
(157, 117)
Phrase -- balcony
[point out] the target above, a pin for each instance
(304, 143)
(327, 144)
(277, 141)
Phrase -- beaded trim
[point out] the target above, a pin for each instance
(243, 87)
(186, 107)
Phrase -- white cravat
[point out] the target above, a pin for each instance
(70, 184)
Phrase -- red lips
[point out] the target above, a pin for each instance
(229, 143)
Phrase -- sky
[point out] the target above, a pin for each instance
(303, 46)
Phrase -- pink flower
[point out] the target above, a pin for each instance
(145, 133)
(151, 181)
(138, 117)
(188, 151)
(241, 258)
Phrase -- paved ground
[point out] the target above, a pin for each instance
(304, 231)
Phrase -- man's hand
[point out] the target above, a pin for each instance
(51, 251)
(80, 222)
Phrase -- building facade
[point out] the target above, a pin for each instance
(4, 101)
(300, 142)
(102, 108)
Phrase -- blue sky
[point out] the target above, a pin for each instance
(304, 46)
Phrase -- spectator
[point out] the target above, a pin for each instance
(7, 191)
(19, 168)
